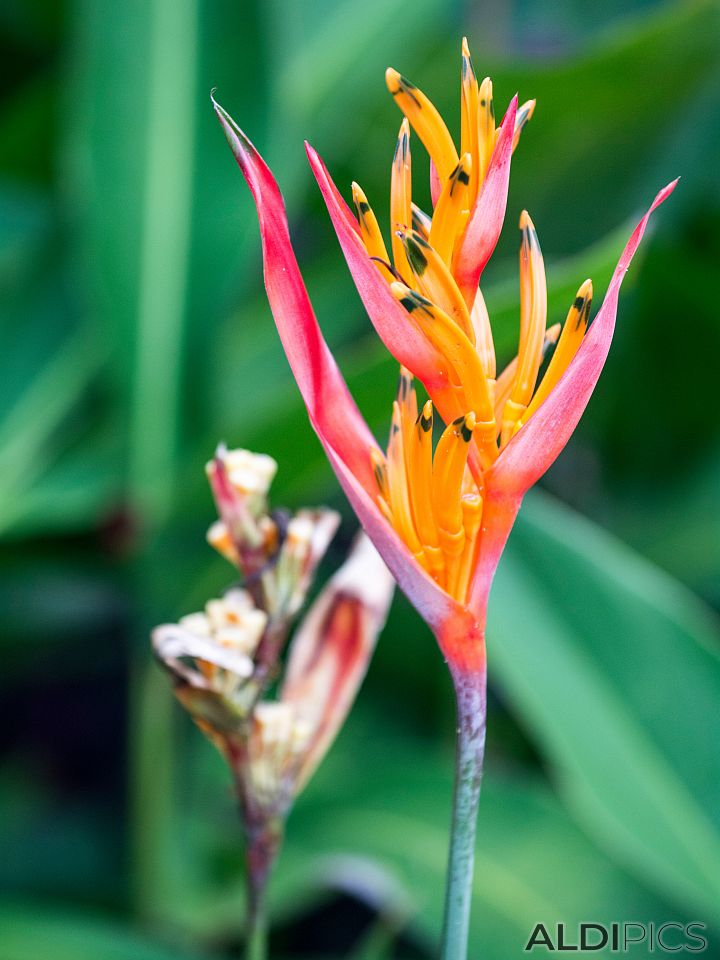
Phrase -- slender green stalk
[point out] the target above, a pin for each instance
(470, 692)
(164, 250)
(263, 839)
(256, 940)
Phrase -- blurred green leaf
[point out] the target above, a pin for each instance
(29, 426)
(25, 228)
(31, 932)
(614, 668)
(77, 490)
(677, 525)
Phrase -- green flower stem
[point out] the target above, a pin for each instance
(256, 939)
(263, 843)
(470, 692)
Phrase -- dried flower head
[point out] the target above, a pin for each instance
(223, 659)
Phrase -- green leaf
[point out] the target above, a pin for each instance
(30, 932)
(614, 669)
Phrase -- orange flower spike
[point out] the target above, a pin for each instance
(419, 469)
(398, 486)
(448, 471)
(506, 379)
(573, 331)
(466, 372)
(533, 316)
(471, 504)
(469, 118)
(447, 219)
(407, 400)
(379, 466)
(434, 281)
(421, 222)
(480, 320)
(486, 126)
(523, 115)
(401, 197)
(426, 121)
(370, 232)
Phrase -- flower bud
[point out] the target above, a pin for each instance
(276, 746)
(210, 655)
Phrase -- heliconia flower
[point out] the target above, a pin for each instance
(440, 518)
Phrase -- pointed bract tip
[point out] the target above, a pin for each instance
(392, 78)
(552, 333)
(666, 191)
(586, 289)
(235, 136)
(219, 110)
(313, 156)
(465, 47)
(525, 221)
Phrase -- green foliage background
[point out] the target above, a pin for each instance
(135, 335)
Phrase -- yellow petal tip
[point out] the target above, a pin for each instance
(525, 221)
(392, 79)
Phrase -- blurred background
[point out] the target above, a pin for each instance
(135, 335)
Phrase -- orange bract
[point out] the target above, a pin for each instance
(435, 504)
